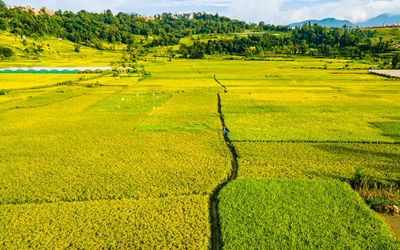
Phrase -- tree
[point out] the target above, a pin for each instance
(183, 50)
(2, 4)
(6, 52)
(77, 48)
(303, 47)
(396, 61)
(3, 23)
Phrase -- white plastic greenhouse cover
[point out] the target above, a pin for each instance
(56, 69)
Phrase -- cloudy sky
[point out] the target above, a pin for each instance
(269, 11)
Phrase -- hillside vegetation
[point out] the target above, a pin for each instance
(92, 29)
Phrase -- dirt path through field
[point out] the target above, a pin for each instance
(216, 236)
(393, 222)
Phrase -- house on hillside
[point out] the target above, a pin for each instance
(147, 18)
(188, 15)
(38, 12)
(183, 15)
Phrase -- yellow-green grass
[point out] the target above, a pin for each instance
(165, 223)
(77, 151)
(56, 53)
(328, 161)
(189, 111)
(129, 103)
(32, 98)
(298, 214)
(14, 81)
(70, 148)
(18, 95)
(295, 68)
(314, 113)
(323, 124)
(280, 103)
(388, 34)
(125, 80)
(178, 69)
(157, 85)
(178, 75)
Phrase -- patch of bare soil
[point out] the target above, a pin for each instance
(393, 221)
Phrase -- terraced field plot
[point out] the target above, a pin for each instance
(318, 160)
(25, 81)
(56, 53)
(303, 125)
(107, 149)
(300, 122)
(170, 222)
(311, 113)
(298, 214)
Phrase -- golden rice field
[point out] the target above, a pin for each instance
(132, 162)
(15, 81)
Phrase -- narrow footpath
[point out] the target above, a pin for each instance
(216, 236)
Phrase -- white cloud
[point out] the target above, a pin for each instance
(211, 3)
(256, 10)
(269, 11)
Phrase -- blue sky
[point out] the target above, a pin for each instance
(269, 11)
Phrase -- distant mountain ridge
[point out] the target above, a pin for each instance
(327, 22)
(332, 22)
(380, 20)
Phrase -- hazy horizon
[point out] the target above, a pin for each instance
(273, 12)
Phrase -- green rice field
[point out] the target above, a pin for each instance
(141, 161)
(298, 214)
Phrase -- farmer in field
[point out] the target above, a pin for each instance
(226, 131)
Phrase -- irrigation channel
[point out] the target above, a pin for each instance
(216, 80)
(216, 235)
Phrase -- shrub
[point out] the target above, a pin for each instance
(68, 83)
(360, 179)
(6, 52)
(4, 91)
(77, 49)
(93, 85)
(396, 61)
(374, 192)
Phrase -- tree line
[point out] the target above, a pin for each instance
(89, 28)
(310, 40)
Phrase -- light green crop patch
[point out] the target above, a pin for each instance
(318, 160)
(390, 129)
(167, 127)
(298, 214)
(34, 100)
(129, 103)
(310, 123)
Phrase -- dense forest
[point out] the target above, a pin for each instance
(166, 29)
(306, 40)
(88, 28)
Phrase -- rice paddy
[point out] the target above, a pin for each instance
(15, 81)
(299, 214)
(133, 160)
